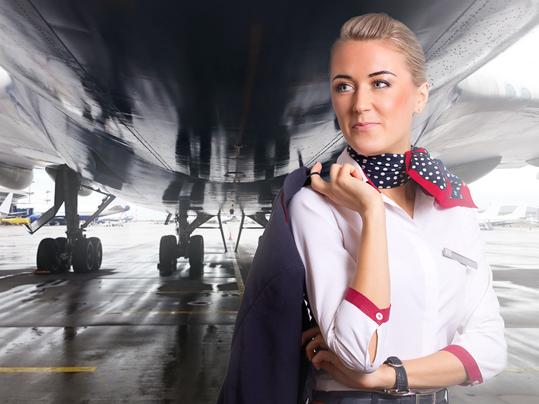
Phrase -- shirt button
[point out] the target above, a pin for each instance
(379, 316)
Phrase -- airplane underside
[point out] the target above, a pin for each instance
(198, 108)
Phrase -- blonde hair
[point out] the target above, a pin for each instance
(381, 26)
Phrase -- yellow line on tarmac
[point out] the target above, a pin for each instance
(74, 369)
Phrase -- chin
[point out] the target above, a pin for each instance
(371, 145)
(367, 148)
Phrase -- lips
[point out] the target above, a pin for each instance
(364, 124)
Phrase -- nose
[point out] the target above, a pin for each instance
(362, 101)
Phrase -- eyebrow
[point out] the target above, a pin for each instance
(345, 76)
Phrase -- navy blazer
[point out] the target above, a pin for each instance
(267, 362)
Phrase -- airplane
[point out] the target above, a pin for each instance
(200, 108)
(491, 217)
(9, 214)
(5, 207)
(115, 221)
(60, 220)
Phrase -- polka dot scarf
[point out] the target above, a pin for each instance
(390, 170)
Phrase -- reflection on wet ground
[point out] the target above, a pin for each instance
(121, 334)
(124, 334)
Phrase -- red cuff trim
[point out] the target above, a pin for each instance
(472, 370)
(363, 303)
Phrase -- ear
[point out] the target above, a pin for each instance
(422, 97)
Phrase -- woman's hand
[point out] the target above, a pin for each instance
(321, 357)
(331, 363)
(347, 188)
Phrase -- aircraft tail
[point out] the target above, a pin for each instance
(6, 205)
(519, 212)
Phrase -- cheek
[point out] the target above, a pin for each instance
(340, 105)
(398, 107)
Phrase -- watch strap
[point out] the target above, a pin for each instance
(401, 384)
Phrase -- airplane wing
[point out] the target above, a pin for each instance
(202, 108)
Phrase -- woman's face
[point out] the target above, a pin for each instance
(373, 96)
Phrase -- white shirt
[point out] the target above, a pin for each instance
(436, 302)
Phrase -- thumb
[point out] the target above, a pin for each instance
(355, 173)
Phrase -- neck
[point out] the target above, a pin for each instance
(386, 170)
(405, 192)
(404, 196)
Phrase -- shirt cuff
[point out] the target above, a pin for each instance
(363, 303)
(472, 369)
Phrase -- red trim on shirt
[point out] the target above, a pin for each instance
(472, 370)
(363, 303)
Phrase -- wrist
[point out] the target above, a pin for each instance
(401, 378)
(375, 212)
(388, 377)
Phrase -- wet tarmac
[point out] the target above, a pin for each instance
(124, 334)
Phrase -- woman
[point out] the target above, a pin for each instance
(395, 262)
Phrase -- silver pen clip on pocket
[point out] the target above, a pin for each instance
(446, 252)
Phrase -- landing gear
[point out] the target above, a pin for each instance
(64, 257)
(83, 256)
(259, 218)
(192, 246)
(195, 251)
(57, 255)
(168, 254)
(98, 250)
(186, 245)
(47, 256)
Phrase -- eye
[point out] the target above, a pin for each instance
(342, 87)
(381, 84)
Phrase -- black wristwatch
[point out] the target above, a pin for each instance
(401, 386)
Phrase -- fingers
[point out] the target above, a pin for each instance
(314, 346)
(335, 371)
(309, 334)
(350, 170)
(357, 175)
(334, 172)
(317, 183)
(322, 356)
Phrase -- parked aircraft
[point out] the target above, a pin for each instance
(204, 107)
(60, 220)
(492, 217)
(5, 207)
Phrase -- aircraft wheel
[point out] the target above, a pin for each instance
(98, 251)
(64, 259)
(195, 251)
(83, 256)
(167, 255)
(47, 256)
